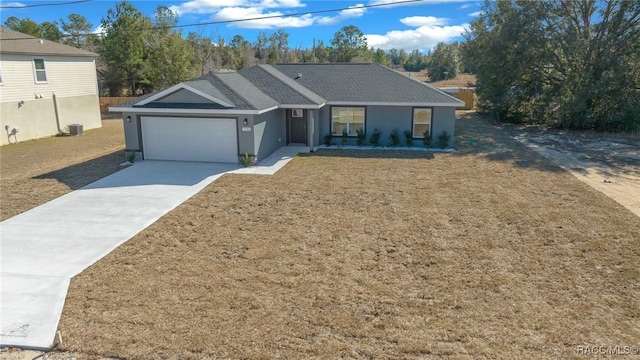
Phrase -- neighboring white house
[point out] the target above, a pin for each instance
(44, 87)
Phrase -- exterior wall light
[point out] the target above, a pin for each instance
(245, 122)
(128, 119)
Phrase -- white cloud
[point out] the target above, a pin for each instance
(213, 6)
(14, 5)
(98, 30)
(269, 14)
(429, 31)
(476, 13)
(394, 3)
(275, 21)
(465, 6)
(416, 21)
(352, 12)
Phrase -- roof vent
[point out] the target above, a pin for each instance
(298, 76)
(41, 41)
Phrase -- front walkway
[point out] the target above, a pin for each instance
(43, 248)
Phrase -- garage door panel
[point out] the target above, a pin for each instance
(189, 139)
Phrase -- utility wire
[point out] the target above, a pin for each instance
(41, 5)
(247, 19)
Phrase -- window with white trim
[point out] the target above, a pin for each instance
(347, 118)
(422, 122)
(39, 71)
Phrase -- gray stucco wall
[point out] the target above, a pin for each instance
(444, 119)
(387, 118)
(131, 134)
(269, 131)
(246, 142)
(37, 118)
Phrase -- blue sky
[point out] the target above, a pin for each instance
(419, 25)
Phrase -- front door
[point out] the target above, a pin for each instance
(297, 127)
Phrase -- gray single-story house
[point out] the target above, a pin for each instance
(223, 115)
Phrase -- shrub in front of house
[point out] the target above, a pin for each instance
(427, 139)
(394, 138)
(374, 139)
(362, 136)
(408, 137)
(328, 139)
(443, 140)
(245, 160)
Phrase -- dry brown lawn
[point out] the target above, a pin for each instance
(490, 252)
(461, 80)
(35, 172)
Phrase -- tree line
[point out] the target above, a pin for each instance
(559, 63)
(569, 64)
(139, 54)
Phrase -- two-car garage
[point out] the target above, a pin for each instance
(189, 139)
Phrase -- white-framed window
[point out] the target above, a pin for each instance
(347, 118)
(422, 122)
(39, 70)
(296, 113)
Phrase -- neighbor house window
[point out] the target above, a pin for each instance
(421, 122)
(347, 118)
(39, 70)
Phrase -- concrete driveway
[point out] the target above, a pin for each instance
(42, 249)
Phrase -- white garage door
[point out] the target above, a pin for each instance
(189, 139)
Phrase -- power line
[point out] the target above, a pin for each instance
(247, 19)
(41, 5)
(289, 15)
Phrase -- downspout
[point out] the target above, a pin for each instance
(55, 107)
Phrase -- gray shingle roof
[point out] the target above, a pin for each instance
(349, 82)
(229, 87)
(266, 86)
(278, 86)
(13, 42)
(247, 91)
(207, 87)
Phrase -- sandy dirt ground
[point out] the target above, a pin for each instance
(608, 163)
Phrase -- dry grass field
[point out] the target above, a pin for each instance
(35, 172)
(490, 252)
(462, 80)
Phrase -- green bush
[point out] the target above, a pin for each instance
(131, 156)
(394, 138)
(408, 137)
(345, 137)
(443, 140)
(328, 139)
(374, 139)
(245, 160)
(362, 136)
(427, 139)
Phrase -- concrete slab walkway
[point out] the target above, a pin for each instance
(43, 248)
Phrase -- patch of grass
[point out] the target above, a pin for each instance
(37, 171)
(350, 254)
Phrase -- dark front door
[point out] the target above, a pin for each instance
(297, 130)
